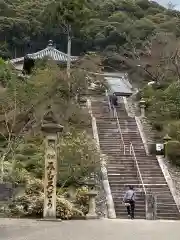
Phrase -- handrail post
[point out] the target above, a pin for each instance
(151, 206)
(119, 129)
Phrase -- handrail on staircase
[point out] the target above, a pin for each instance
(119, 128)
(137, 166)
(117, 119)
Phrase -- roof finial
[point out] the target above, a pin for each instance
(50, 43)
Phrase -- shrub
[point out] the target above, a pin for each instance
(174, 130)
(66, 209)
(18, 175)
(82, 199)
(30, 157)
(31, 204)
(79, 157)
(158, 126)
(173, 152)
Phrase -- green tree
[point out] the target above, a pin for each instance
(69, 15)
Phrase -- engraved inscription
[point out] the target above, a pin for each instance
(50, 171)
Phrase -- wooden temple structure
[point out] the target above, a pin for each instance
(50, 52)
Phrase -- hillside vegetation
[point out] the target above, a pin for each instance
(119, 26)
(23, 103)
(138, 36)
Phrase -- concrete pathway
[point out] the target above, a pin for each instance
(89, 230)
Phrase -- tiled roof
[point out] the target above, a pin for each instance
(51, 52)
(17, 60)
(118, 86)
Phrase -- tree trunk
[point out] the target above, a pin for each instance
(69, 52)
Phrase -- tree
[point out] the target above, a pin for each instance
(78, 157)
(22, 105)
(69, 14)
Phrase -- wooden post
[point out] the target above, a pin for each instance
(50, 128)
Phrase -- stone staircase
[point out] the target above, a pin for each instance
(122, 170)
(151, 172)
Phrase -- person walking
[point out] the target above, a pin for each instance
(129, 201)
(114, 100)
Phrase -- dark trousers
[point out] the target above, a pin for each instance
(130, 209)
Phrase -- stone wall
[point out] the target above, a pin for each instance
(149, 135)
(175, 176)
(101, 208)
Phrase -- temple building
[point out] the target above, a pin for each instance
(50, 52)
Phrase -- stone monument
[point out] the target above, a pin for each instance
(50, 128)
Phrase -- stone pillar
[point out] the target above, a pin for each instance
(50, 128)
(142, 104)
(151, 206)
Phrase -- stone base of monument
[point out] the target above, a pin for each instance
(50, 220)
(78, 218)
(91, 216)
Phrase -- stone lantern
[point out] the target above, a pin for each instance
(142, 105)
(166, 138)
(50, 128)
(92, 193)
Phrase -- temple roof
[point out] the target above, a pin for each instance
(51, 52)
(119, 85)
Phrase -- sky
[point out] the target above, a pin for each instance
(165, 2)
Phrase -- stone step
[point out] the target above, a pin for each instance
(122, 170)
(121, 207)
(119, 168)
(134, 175)
(118, 162)
(114, 185)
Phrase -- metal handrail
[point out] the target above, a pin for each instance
(119, 128)
(138, 169)
(118, 123)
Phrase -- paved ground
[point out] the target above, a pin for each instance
(89, 230)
